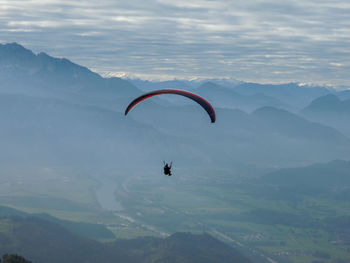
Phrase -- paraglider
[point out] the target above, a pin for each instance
(167, 168)
(205, 104)
(201, 101)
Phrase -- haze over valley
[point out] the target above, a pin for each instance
(268, 182)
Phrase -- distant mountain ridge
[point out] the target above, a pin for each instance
(229, 98)
(329, 102)
(294, 125)
(290, 96)
(87, 230)
(344, 94)
(147, 85)
(290, 93)
(326, 175)
(331, 111)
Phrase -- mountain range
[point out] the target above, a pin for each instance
(330, 110)
(246, 96)
(55, 111)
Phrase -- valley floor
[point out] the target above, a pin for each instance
(270, 225)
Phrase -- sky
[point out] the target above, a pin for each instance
(266, 41)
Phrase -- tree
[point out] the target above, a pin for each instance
(13, 259)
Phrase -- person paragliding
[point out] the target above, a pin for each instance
(167, 168)
(201, 101)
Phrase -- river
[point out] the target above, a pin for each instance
(105, 195)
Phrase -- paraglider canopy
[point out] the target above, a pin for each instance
(205, 104)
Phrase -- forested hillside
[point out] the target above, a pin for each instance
(43, 241)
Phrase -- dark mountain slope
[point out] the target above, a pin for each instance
(43, 241)
(21, 71)
(14, 259)
(328, 181)
(184, 248)
(327, 175)
(89, 230)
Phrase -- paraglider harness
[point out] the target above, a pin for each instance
(167, 168)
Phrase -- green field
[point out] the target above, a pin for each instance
(284, 227)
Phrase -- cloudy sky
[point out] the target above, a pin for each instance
(267, 41)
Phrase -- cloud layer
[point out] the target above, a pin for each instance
(262, 41)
